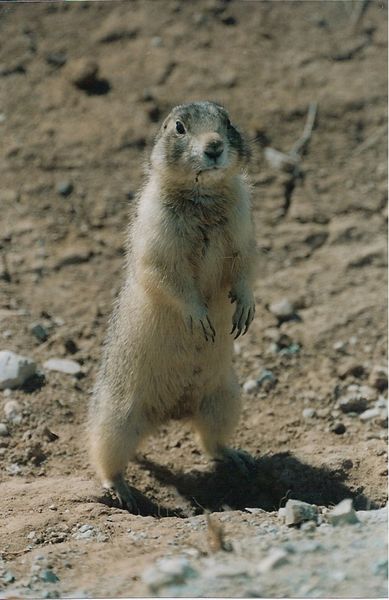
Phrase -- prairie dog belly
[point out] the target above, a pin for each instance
(170, 364)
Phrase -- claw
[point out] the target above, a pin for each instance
(204, 331)
(122, 491)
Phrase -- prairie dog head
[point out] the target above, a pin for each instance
(198, 141)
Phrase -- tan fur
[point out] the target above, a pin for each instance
(191, 245)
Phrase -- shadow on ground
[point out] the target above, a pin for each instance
(273, 480)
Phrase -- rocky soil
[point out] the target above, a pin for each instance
(83, 87)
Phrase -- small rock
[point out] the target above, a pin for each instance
(338, 428)
(156, 41)
(39, 332)
(343, 513)
(379, 378)
(65, 188)
(3, 430)
(340, 346)
(370, 414)
(250, 386)
(282, 309)
(297, 512)
(350, 367)
(14, 369)
(266, 379)
(49, 576)
(56, 59)
(352, 402)
(275, 559)
(63, 365)
(309, 413)
(13, 411)
(70, 346)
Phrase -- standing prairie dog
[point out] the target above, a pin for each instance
(187, 294)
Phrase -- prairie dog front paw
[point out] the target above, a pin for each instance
(244, 312)
(199, 318)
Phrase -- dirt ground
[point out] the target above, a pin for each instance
(71, 162)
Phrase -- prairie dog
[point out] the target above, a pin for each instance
(187, 294)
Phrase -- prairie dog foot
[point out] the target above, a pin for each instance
(240, 459)
(120, 488)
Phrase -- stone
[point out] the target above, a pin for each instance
(351, 368)
(39, 332)
(266, 379)
(282, 309)
(379, 378)
(309, 413)
(65, 188)
(250, 386)
(3, 430)
(56, 59)
(275, 559)
(49, 576)
(63, 365)
(343, 513)
(370, 414)
(352, 402)
(338, 427)
(296, 512)
(13, 411)
(14, 369)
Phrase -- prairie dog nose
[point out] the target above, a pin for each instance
(214, 146)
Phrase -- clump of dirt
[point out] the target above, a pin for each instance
(84, 88)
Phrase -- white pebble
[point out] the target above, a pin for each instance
(13, 411)
(250, 386)
(371, 413)
(309, 413)
(63, 365)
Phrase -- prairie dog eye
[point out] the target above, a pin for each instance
(180, 128)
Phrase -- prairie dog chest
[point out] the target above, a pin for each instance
(208, 245)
